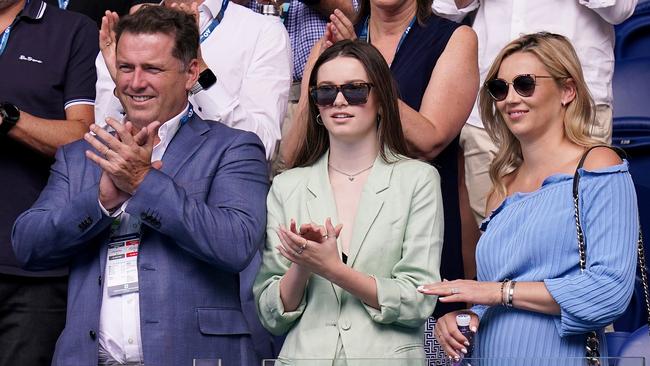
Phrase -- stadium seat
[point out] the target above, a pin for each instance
(633, 35)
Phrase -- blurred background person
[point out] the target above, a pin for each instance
(350, 291)
(537, 108)
(46, 100)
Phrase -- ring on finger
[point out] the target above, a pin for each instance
(299, 251)
(326, 236)
(107, 150)
(302, 247)
(455, 290)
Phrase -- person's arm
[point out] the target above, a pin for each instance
(279, 286)
(447, 100)
(609, 218)
(218, 219)
(63, 220)
(613, 11)
(260, 102)
(45, 135)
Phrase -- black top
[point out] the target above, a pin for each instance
(48, 63)
(411, 68)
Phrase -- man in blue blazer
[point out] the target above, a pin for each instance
(155, 221)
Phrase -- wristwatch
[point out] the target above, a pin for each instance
(9, 115)
(206, 80)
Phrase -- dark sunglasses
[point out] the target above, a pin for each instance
(524, 85)
(354, 93)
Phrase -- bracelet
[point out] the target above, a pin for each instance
(511, 292)
(504, 292)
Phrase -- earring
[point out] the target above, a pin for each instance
(563, 104)
(378, 118)
(115, 92)
(319, 120)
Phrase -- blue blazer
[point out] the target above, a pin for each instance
(203, 217)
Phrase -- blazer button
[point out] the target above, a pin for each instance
(345, 324)
(92, 334)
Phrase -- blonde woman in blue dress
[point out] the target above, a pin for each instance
(355, 228)
(533, 301)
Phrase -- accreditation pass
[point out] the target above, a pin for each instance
(122, 268)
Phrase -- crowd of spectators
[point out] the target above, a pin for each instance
(139, 139)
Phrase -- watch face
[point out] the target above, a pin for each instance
(11, 113)
(207, 78)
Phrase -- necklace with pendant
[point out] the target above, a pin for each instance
(350, 176)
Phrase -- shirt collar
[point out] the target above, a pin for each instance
(166, 133)
(210, 8)
(34, 9)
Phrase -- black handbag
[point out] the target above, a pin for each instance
(592, 346)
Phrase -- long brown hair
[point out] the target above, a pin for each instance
(391, 138)
(562, 62)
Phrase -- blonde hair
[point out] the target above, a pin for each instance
(561, 61)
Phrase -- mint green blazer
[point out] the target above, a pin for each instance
(396, 238)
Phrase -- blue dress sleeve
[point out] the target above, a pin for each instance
(597, 296)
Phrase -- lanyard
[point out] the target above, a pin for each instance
(364, 35)
(188, 115)
(215, 22)
(63, 4)
(5, 39)
(5, 35)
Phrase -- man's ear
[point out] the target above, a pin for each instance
(568, 91)
(192, 74)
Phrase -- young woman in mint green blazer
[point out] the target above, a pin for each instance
(355, 228)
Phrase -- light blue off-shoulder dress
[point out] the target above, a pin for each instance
(532, 237)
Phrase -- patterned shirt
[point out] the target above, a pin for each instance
(305, 26)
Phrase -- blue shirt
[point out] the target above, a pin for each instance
(532, 237)
(47, 65)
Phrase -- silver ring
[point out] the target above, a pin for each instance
(326, 236)
(454, 291)
(299, 251)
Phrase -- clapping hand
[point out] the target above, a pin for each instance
(107, 43)
(313, 248)
(126, 158)
(341, 27)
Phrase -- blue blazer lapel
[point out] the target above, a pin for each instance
(370, 205)
(186, 142)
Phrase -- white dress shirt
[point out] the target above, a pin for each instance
(251, 57)
(587, 23)
(119, 317)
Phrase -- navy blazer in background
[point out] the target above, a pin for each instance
(203, 219)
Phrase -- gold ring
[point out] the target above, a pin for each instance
(304, 245)
(326, 236)
(107, 150)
